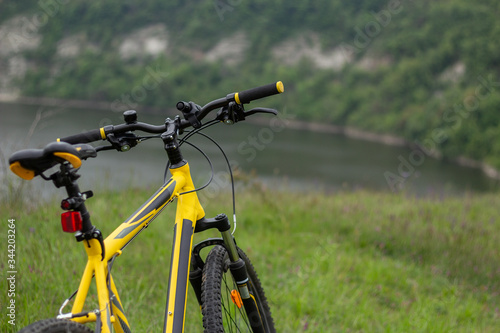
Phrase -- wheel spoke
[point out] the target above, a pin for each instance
(228, 303)
(219, 306)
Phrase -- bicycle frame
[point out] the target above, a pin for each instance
(189, 219)
(189, 210)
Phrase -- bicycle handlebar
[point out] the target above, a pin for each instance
(100, 134)
(85, 137)
(246, 96)
(242, 97)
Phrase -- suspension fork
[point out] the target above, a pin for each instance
(240, 275)
(221, 223)
(237, 267)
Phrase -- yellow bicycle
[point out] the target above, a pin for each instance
(225, 283)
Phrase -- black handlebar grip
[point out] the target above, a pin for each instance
(246, 96)
(85, 137)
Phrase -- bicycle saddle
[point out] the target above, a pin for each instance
(29, 163)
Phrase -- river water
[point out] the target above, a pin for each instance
(278, 155)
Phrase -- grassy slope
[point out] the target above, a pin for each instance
(348, 262)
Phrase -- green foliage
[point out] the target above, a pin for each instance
(12, 8)
(407, 95)
(371, 262)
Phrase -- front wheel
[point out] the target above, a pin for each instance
(220, 307)
(54, 325)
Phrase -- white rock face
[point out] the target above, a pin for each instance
(370, 63)
(72, 46)
(149, 41)
(308, 46)
(230, 50)
(18, 34)
(453, 73)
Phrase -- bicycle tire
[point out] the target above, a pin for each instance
(220, 314)
(54, 325)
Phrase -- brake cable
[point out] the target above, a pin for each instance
(231, 175)
(184, 140)
(187, 136)
(211, 167)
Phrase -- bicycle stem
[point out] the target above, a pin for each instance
(169, 138)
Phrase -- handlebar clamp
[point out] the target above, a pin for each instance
(123, 141)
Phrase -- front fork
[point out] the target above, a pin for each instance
(237, 267)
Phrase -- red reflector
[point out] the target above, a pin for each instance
(65, 204)
(71, 221)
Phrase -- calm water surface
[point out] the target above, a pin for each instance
(279, 156)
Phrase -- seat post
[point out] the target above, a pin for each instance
(67, 178)
(86, 223)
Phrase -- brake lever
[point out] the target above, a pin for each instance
(231, 114)
(235, 112)
(261, 110)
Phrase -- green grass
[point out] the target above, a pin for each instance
(344, 262)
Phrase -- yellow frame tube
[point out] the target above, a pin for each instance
(97, 268)
(117, 308)
(189, 210)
